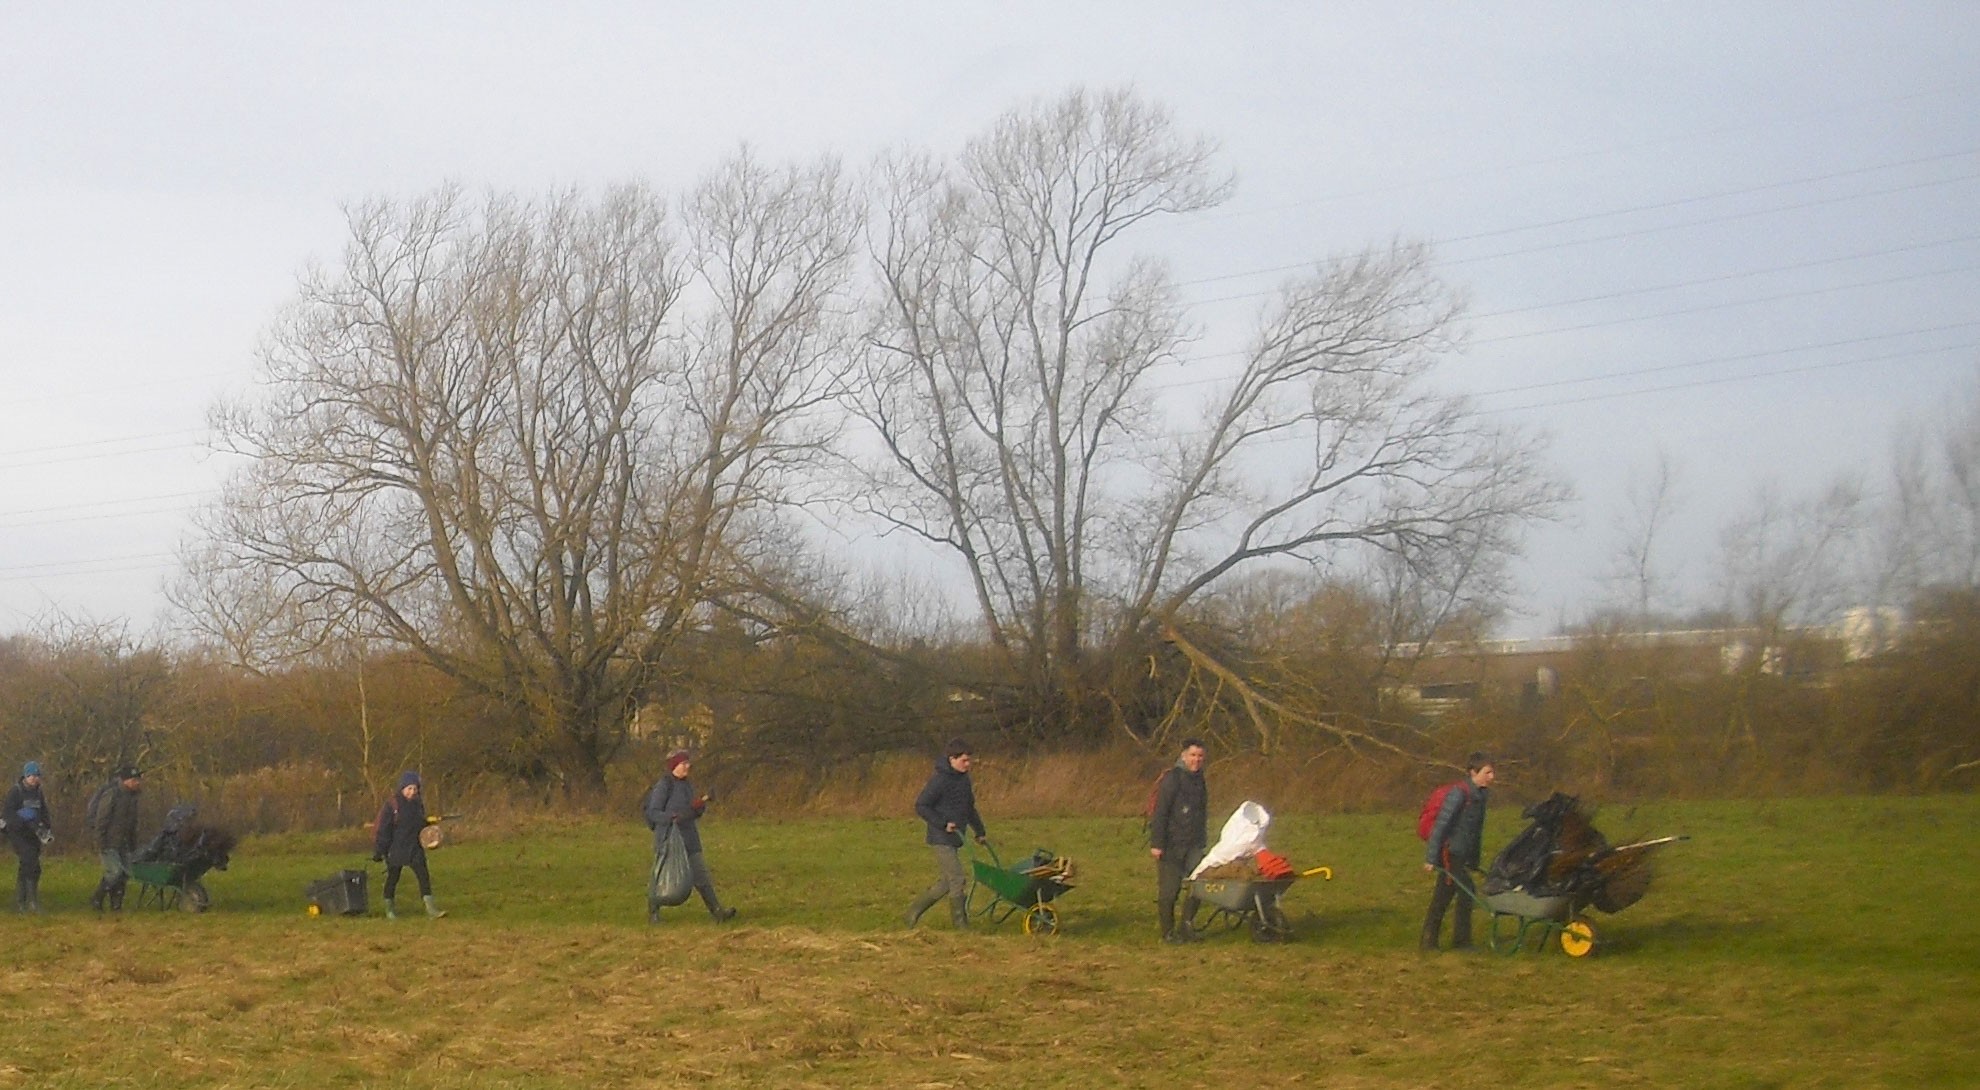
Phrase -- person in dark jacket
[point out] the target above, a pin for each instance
(116, 836)
(1178, 835)
(673, 803)
(1453, 850)
(397, 844)
(24, 817)
(947, 805)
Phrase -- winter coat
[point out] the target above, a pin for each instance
(1181, 821)
(673, 802)
(24, 798)
(948, 799)
(1457, 838)
(399, 824)
(117, 821)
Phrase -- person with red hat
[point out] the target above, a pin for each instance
(673, 804)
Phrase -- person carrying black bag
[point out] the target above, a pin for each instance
(672, 805)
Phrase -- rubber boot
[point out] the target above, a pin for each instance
(433, 911)
(1186, 926)
(391, 910)
(959, 913)
(925, 902)
(20, 895)
(1166, 916)
(652, 911)
(34, 895)
(117, 896)
(96, 899)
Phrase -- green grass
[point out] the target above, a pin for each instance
(1806, 943)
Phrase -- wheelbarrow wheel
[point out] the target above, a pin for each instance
(1578, 938)
(1041, 919)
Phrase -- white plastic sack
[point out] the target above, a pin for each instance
(1243, 835)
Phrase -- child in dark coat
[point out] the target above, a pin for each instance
(397, 844)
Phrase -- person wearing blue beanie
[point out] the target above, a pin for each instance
(397, 843)
(24, 817)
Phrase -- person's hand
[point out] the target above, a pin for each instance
(983, 838)
(949, 828)
(1156, 852)
(1429, 869)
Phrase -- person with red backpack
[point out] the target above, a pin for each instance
(1454, 842)
(1178, 834)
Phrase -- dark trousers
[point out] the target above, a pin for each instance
(418, 865)
(1440, 899)
(1170, 872)
(28, 848)
(704, 884)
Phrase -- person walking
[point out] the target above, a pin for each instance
(114, 823)
(947, 805)
(397, 844)
(671, 803)
(1453, 849)
(1178, 835)
(24, 817)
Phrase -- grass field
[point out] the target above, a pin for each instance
(1806, 943)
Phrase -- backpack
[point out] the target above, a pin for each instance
(1427, 818)
(94, 811)
(1154, 790)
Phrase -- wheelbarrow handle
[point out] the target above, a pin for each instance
(1325, 874)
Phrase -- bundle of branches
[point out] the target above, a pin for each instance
(195, 847)
(1561, 853)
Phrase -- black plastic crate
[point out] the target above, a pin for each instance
(341, 894)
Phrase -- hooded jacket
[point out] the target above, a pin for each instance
(22, 798)
(1181, 821)
(117, 821)
(399, 824)
(673, 802)
(948, 799)
(1457, 839)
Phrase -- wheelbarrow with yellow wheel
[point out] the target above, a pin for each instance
(1025, 889)
(1516, 917)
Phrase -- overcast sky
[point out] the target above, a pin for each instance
(1746, 236)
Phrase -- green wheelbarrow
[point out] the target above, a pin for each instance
(1514, 915)
(1028, 887)
(169, 885)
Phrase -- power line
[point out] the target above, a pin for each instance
(1704, 308)
(1715, 381)
(1632, 210)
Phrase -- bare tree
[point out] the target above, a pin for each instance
(1010, 383)
(532, 440)
(1789, 562)
(1638, 571)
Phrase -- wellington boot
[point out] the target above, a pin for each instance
(391, 910)
(34, 895)
(433, 911)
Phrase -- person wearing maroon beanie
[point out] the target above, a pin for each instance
(672, 803)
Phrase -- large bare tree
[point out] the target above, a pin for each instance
(532, 440)
(1012, 384)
